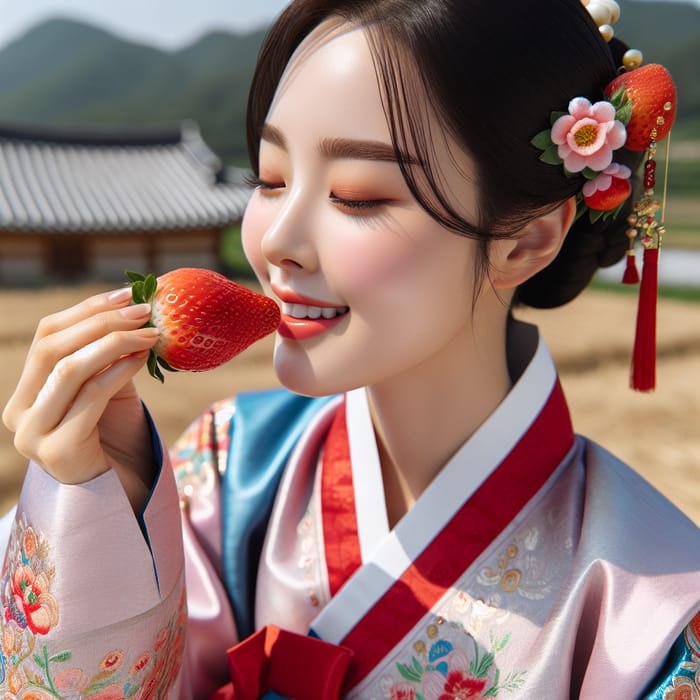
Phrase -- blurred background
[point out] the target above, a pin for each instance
(141, 107)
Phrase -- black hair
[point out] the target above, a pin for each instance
(493, 75)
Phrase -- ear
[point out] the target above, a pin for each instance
(514, 260)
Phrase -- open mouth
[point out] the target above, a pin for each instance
(302, 311)
(303, 321)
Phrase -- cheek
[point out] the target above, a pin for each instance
(399, 263)
(253, 228)
(367, 256)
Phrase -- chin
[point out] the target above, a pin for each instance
(297, 373)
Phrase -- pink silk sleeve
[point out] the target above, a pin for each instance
(197, 459)
(88, 607)
(93, 602)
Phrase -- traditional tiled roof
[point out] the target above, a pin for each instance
(55, 180)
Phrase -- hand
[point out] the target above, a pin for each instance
(75, 411)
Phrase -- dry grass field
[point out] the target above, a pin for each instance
(659, 433)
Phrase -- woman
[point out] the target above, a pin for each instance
(429, 514)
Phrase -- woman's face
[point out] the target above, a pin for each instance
(371, 287)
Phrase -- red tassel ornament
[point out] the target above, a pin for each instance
(644, 356)
(631, 275)
(643, 222)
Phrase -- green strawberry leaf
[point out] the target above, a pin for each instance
(137, 292)
(624, 113)
(551, 156)
(596, 214)
(608, 213)
(618, 97)
(149, 287)
(134, 276)
(165, 365)
(622, 104)
(153, 368)
(543, 140)
(589, 174)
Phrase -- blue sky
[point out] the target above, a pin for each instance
(165, 23)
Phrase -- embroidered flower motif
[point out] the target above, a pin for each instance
(29, 544)
(140, 664)
(445, 672)
(29, 671)
(588, 135)
(400, 691)
(113, 660)
(71, 679)
(34, 694)
(451, 677)
(682, 689)
(202, 451)
(460, 686)
(28, 600)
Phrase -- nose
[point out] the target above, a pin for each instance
(288, 242)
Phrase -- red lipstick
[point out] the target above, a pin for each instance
(294, 327)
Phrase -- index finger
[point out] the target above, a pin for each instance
(91, 306)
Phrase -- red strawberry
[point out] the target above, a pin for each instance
(204, 318)
(652, 92)
(607, 200)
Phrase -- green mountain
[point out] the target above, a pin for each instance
(68, 73)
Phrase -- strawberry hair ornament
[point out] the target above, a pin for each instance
(638, 111)
(204, 318)
(652, 94)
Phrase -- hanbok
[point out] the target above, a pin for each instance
(535, 565)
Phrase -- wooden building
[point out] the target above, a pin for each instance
(84, 205)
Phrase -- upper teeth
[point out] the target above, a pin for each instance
(304, 311)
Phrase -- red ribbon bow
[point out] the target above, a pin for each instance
(293, 665)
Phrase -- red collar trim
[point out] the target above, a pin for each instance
(470, 531)
(340, 532)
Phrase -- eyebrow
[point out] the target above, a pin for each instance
(341, 148)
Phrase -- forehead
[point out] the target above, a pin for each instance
(330, 88)
(332, 73)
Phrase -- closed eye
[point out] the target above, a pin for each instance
(357, 206)
(265, 186)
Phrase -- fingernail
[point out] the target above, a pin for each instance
(136, 311)
(119, 295)
(148, 332)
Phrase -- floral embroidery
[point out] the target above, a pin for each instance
(685, 685)
(510, 576)
(527, 569)
(30, 671)
(202, 449)
(307, 560)
(438, 670)
(26, 586)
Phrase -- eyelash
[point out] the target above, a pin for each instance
(355, 206)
